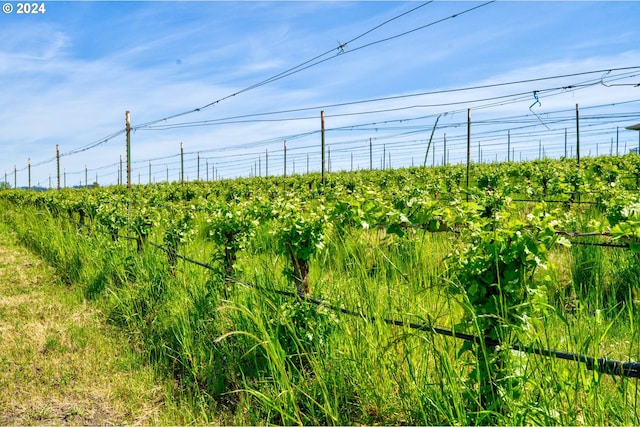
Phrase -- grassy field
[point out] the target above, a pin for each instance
(60, 362)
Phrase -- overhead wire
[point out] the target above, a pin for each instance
(293, 70)
(562, 89)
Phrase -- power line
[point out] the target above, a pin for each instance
(563, 89)
(300, 67)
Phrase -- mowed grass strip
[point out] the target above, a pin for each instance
(60, 363)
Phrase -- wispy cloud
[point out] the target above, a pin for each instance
(69, 80)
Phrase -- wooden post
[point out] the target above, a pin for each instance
(610, 148)
(468, 148)
(198, 169)
(57, 163)
(322, 144)
(539, 149)
(86, 177)
(206, 167)
(577, 134)
(434, 155)
(444, 152)
(181, 163)
(578, 146)
(128, 129)
(384, 155)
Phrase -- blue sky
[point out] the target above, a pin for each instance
(68, 76)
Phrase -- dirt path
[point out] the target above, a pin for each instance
(59, 362)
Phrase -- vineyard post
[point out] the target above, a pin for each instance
(259, 165)
(181, 163)
(610, 148)
(86, 175)
(468, 148)
(294, 167)
(539, 149)
(96, 177)
(266, 162)
(577, 134)
(57, 163)
(565, 143)
(578, 146)
(167, 174)
(29, 172)
(479, 153)
(64, 176)
(15, 176)
(508, 146)
(5, 178)
(128, 129)
(149, 171)
(285, 158)
(617, 140)
(370, 155)
(307, 163)
(322, 143)
(198, 170)
(444, 151)
(206, 167)
(351, 162)
(384, 154)
(434, 155)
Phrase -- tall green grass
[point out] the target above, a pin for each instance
(259, 357)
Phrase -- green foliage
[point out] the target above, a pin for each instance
(364, 240)
(495, 273)
(299, 234)
(178, 231)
